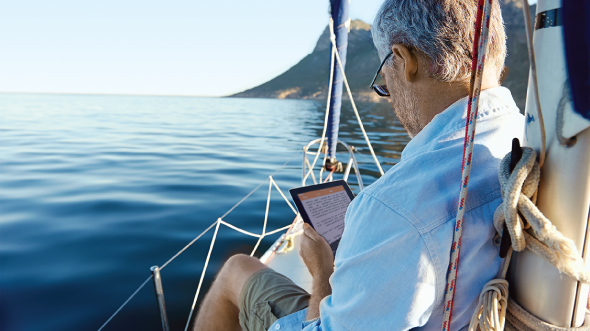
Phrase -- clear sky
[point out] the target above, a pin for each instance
(178, 47)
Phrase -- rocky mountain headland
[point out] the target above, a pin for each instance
(308, 79)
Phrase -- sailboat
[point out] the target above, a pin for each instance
(557, 127)
(538, 287)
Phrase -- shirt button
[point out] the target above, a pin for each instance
(278, 326)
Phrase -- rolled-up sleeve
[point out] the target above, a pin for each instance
(384, 279)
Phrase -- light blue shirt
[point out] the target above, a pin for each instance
(391, 265)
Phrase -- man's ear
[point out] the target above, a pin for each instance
(408, 63)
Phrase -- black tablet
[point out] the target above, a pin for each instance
(323, 206)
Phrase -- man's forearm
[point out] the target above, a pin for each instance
(320, 289)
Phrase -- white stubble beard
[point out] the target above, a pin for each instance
(405, 107)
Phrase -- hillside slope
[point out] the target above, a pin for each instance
(308, 79)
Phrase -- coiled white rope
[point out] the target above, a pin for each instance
(493, 302)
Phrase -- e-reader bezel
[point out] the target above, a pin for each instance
(299, 190)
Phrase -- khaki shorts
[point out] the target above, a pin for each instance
(268, 296)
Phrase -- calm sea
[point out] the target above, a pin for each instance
(94, 190)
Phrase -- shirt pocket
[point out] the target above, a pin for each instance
(263, 315)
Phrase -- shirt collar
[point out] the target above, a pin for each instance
(454, 117)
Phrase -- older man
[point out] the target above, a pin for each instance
(392, 261)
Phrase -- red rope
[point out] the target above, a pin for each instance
(480, 42)
(474, 54)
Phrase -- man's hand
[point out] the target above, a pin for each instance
(319, 259)
(316, 253)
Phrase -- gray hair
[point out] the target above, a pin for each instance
(443, 31)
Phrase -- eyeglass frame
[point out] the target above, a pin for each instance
(372, 86)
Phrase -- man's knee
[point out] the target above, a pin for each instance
(241, 262)
(235, 272)
(240, 266)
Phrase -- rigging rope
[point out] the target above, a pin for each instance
(264, 233)
(480, 44)
(533, 65)
(126, 301)
(494, 300)
(216, 223)
(551, 245)
(325, 122)
(190, 315)
(333, 40)
(265, 217)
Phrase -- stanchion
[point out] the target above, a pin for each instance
(160, 296)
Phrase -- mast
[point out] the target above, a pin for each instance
(341, 18)
(564, 190)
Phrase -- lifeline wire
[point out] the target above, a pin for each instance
(265, 217)
(220, 221)
(250, 233)
(257, 187)
(229, 211)
(126, 301)
(202, 275)
(205, 231)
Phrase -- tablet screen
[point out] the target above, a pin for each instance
(324, 206)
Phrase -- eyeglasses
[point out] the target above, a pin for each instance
(381, 90)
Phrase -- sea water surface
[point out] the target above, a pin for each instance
(96, 189)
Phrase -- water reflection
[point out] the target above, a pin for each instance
(97, 189)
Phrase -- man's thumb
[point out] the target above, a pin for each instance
(310, 232)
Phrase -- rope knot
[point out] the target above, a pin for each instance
(519, 185)
(545, 240)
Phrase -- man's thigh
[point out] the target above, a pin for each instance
(267, 296)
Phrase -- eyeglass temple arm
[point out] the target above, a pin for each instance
(380, 67)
